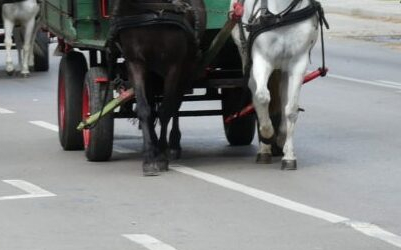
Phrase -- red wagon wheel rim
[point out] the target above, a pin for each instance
(86, 115)
(62, 104)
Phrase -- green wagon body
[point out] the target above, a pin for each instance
(81, 24)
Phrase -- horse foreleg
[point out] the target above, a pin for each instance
(8, 31)
(290, 109)
(144, 112)
(260, 75)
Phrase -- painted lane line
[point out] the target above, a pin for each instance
(375, 232)
(6, 111)
(390, 82)
(386, 85)
(262, 195)
(123, 150)
(45, 125)
(148, 242)
(32, 190)
(52, 127)
(365, 228)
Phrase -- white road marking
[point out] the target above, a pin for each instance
(32, 190)
(148, 242)
(375, 232)
(5, 111)
(52, 127)
(123, 150)
(366, 228)
(380, 84)
(390, 82)
(45, 125)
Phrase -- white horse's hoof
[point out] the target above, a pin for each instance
(10, 73)
(25, 75)
(10, 69)
(264, 158)
(289, 165)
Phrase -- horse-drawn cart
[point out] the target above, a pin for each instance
(84, 26)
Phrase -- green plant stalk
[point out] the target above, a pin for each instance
(111, 106)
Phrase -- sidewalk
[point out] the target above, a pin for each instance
(376, 21)
(389, 10)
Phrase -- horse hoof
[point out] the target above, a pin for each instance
(10, 73)
(277, 151)
(289, 165)
(163, 166)
(150, 169)
(264, 158)
(175, 154)
(25, 75)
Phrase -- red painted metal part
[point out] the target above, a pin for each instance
(249, 109)
(61, 103)
(64, 47)
(101, 80)
(105, 9)
(315, 74)
(238, 12)
(85, 115)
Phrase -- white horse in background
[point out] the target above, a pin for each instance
(279, 60)
(21, 13)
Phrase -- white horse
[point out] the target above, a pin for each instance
(22, 13)
(279, 59)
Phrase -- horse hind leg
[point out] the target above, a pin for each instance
(274, 85)
(31, 59)
(290, 110)
(144, 112)
(174, 139)
(261, 99)
(168, 109)
(8, 30)
(29, 28)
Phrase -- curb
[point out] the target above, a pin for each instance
(364, 13)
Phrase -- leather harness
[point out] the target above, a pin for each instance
(173, 13)
(10, 1)
(267, 21)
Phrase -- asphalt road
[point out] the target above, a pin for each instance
(345, 195)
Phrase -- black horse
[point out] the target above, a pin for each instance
(159, 41)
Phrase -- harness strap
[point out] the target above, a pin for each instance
(290, 7)
(263, 5)
(179, 7)
(10, 1)
(147, 19)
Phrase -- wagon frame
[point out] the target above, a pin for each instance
(84, 25)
